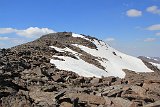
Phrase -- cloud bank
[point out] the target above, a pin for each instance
(154, 27)
(4, 38)
(149, 39)
(158, 34)
(153, 9)
(31, 32)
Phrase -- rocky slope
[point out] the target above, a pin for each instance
(31, 75)
(74, 50)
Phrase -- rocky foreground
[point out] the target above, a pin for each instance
(27, 79)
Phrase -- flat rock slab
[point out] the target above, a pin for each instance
(40, 96)
(155, 104)
(120, 102)
(92, 99)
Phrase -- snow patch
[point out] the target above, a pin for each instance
(80, 36)
(82, 68)
(148, 57)
(155, 59)
(66, 49)
(113, 61)
(155, 64)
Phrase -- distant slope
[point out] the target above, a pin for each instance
(152, 60)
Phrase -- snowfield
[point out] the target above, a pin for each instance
(78, 66)
(113, 61)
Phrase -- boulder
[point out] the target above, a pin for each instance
(139, 90)
(112, 91)
(15, 101)
(155, 87)
(58, 78)
(39, 96)
(120, 102)
(66, 104)
(108, 101)
(49, 88)
(155, 104)
(96, 81)
(91, 99)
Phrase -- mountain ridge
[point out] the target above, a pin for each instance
(29, 78)
(88, 49)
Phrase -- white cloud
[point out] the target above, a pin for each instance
(31, 32)
(109, 39)
(158, 34)
(6, 42)
(133, 13)
(7, 30)
(150, 39)
(34, 32)
(4, 38)
(153, 9)
(16, 41)
(154, 27)
(1, 44)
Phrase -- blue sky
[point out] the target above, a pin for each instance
(131, 26)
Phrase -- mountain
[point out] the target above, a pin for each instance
(155, 61)
(86, 56)
(150, 59)
(65, 69)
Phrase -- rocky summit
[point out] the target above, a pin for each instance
(74, 70)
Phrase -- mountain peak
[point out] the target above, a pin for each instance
(84, 55)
